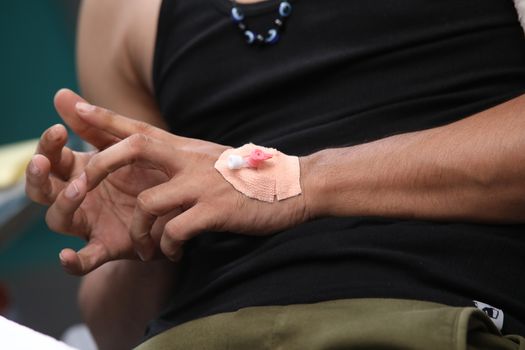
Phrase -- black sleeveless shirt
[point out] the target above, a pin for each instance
(345, 72)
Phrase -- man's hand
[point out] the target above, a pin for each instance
(204, 200)
(104, 214)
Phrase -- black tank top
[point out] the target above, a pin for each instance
(345, 72)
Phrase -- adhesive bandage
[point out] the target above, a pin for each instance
(261, 173)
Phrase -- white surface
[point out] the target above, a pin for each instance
(13, 160)
(80, 337)
(496, 315)
(236, 162)
(16, 337)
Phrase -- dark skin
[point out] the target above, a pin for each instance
(477, 180)
(116, 195)
(399, 170)
(108, 208)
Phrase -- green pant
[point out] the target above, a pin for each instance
(340, 324)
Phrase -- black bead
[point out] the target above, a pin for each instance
(241, 26)
(278, 22)
(260, 38)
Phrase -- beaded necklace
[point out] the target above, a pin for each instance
(273, 34)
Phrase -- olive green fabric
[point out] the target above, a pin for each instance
(341, 324)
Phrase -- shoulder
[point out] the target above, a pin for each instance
(115, 47)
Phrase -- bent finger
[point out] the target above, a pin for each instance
(87, 259)
(65, 101)
(41, 187)
(135, 148)
(52, 146)
(152, 204)
(184, 227)
(65, 215)
(140, 233)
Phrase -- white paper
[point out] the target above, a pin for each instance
(17, 337)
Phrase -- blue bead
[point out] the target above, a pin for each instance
(250, 36)
(273, 36)
(285, 9)
(237, 14)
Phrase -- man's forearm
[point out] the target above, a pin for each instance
(472, 170)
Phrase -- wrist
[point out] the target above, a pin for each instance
(312, 186)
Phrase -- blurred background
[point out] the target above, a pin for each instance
(36, 59)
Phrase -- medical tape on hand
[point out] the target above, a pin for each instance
(261, 173)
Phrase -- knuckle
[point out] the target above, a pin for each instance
(167, 247)
(52, 223)
(94, 163)
(171, 248)
(184, 236)
(168, 251)
(140, 239)
(208, 218)
(137, 142)
(171, 231)
(143, 127)
(145, 201)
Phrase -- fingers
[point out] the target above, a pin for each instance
(63, 216)
(151, 204)
(119, 126)
(40, 186)
(65, 101)
(135, 148)
(140, 233)
(51, 145)
(184, 227)
(87, 259)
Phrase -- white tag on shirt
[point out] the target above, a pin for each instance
(495, 314)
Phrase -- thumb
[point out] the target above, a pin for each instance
(87, 259)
